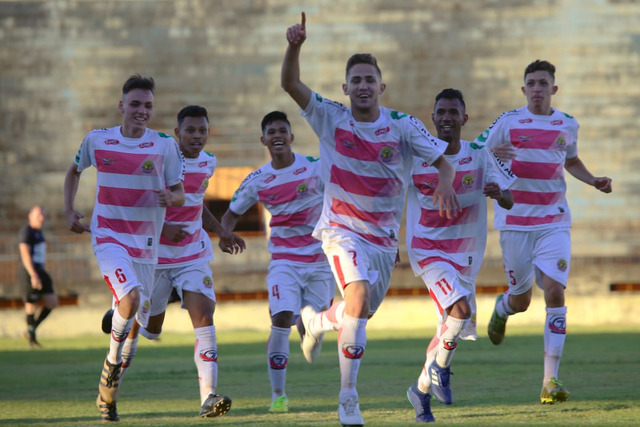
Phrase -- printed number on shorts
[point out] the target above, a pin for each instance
(120, 275)
(444, 286)
(275, 292)
(513, 279)
(353, 256)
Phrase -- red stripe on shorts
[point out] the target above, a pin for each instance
(338, 267)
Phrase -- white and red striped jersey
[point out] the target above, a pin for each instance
(459, 241)
(196, 247)
(293, 196)
(542, 144)
(126, 210)
(365, 167)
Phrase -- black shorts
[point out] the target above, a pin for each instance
(33, 295)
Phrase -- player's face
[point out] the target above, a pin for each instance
(277, 137)
(538, 88)
(363, 87)
(136, 108)
(448, 116)
(192, 135)
(36, 217)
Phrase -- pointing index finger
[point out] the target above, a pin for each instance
(304, 20)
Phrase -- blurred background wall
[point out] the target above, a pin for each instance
(63, 63)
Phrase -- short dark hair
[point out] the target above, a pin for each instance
(451, 94)
(539, 65)
(274, 116)
(136, 81)
(192, 111)
(362, 58)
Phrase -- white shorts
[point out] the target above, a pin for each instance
(291, 287)
(525, 253)
(196, 278)
(445, 288)
(123, 275)
(353, 259)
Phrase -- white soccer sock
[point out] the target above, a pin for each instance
(352, 340)
(128, 353)
(328, 320)
(277, 358)
(503, 308)
(449, 340)
(205, 356)
(555, 332)
(120, 328)
(424, 381)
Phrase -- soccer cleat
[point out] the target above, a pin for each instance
(106, 321)
(552, 392)
(421, 404)
(280, 405)
(497, 324)
(215, 405)
(109, 381)
(108, 411)
(349, 412)
(31, 338)
(440, 383)
(310, 343)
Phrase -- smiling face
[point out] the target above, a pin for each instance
(538, 88)
(364, 88)
(192, 135)
(277, 137)
(448, 117)
(137, 108)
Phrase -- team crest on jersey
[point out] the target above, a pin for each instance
(300, 170)
(562, 265)
(468, 180)
(302, 190)
(524, 121)
(556, 122)
(386, 154)
(146, 144)
(465, 160)
(271, 178)
(561, 141)
(147, 166)
(207, 281)
(111, 141)
(205, 184)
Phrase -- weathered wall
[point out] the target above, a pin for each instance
(63, 63)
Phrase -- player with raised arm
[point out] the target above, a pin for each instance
(139, 174)
(447, 253)
(290, 188)
(366, 153)
(534, 235)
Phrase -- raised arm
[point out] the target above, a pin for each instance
(444, 195)
(576, 168)
(229, 242)
(71, 181)
(290, 73)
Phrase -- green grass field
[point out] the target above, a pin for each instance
(493, 386)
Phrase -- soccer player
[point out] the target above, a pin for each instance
(290, 188)
(367, 152)
(37, 282)
(534, 235)
(139, 174)
(183, 261)
(447, 253)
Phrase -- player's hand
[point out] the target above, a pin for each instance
(505, 151)
(230, 242)
(35, 282)
(174, 232)
(447, 201)
(165, 197)
(492, 190)
(603, 183)
(74, 224)
(297, 34)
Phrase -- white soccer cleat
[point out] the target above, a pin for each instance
(349, 412)
(310, 344)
